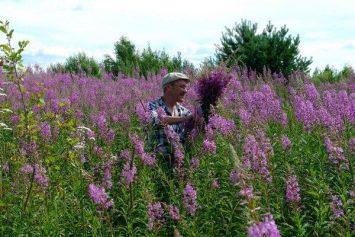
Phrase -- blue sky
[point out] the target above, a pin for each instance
(58, 29)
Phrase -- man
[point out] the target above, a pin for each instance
(167, 111)
(174, 87)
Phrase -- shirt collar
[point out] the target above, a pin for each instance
(162, 103)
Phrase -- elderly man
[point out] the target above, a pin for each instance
(167, 111)
(174, 87)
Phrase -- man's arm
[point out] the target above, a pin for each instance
(196, 116)
(169, 120)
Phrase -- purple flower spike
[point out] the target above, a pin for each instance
(155, 215)
(99, 196)
(286, 143)
(292, 189)
(209, 146)
(189, 199)
(128, 173)
(267, 228)
(337, 206)
(174, 212)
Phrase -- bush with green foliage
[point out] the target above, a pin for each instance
(329, 74)
(153, 61)
(273, 49)
(78, 63)
(128, 60)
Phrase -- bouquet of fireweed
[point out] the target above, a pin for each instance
(210, 88)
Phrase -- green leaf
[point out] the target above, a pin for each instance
(313, 193)
(9, 35)
(3, 29)
(22, 44)
(19, 51)
(6, 67)
(5, 48)
(41, 101)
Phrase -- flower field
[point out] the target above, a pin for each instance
(273, 159)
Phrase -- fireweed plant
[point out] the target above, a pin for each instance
(273, 158)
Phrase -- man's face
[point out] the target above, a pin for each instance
(178, 90)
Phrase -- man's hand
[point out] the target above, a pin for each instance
(169, 120)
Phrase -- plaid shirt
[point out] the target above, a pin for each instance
(157, 139)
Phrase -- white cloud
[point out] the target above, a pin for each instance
(61, 28)
(336, 53)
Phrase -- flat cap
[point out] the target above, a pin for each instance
(173, 76)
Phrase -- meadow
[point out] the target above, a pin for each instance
(273, 156)
(272, 159)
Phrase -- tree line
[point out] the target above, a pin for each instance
(273, 49)
(127, 60)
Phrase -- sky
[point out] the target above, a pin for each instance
(58, 29)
